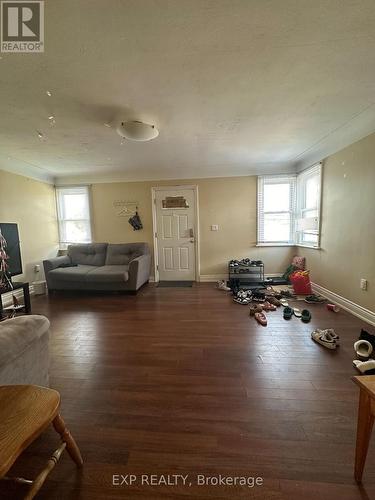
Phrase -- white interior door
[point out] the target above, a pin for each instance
(176, 233)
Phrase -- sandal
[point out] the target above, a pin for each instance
(284, 302)
(288, 312)
(261, 318)
(297, 312)
(306, 316)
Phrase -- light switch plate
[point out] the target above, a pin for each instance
(214, 227)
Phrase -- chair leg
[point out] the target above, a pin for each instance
(66, 437)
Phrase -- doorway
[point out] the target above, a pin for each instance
(175, 224)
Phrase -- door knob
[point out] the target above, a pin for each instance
(192, 240)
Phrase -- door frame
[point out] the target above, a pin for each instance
(196, 226)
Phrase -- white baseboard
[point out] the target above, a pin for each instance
(7, 297)
(355, 309)
(207, 278)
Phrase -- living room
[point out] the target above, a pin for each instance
(162, 165)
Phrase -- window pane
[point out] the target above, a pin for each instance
(77, 231)
(75, 206)
(312, 192)
(276, 197)
(276, 227)
(310, 238)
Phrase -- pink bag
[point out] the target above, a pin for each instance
(301, 282)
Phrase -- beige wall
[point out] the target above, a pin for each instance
(348, 224)
(228, 202)
(31, 204)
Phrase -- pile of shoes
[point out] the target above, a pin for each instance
(327, 338)
(245, 262)
(243, 297)
(364, 348)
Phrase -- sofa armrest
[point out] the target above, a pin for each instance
(51, 264)
(139, 271)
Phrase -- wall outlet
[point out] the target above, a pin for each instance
(214, 227)
(37, 268)
(363, 284)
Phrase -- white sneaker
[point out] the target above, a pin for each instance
(324, 338)
(222, 286)
(332, 332)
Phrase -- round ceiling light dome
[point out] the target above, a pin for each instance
(137, 131)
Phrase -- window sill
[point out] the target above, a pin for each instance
(308, 246)
(275, 245)
(287, 245)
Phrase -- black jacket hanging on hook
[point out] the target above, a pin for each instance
(136, 222)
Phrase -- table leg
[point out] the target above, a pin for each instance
(364, 429)
(26, 297)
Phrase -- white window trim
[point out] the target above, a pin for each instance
(295, 240)
(275, 179)
(64, 244)
(301, 181)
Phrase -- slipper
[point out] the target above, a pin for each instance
(273, 300)
(363, 349)
(306, 316)
(297, 312)
(366, 367)
(324, 338)
(261, 318)
(284, 302)
(267, 306)
(288, 313)
(257, 308)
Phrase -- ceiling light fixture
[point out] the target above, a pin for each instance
(137, 131)
(49, 93)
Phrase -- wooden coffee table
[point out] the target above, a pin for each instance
(366, 415)
(25, 412)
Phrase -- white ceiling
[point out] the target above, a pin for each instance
(235, 87)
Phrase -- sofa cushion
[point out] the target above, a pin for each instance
(122, 253)
(75, 273)
(108, 274)
(89, 254)
(18, 333)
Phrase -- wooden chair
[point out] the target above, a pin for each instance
(25, 412)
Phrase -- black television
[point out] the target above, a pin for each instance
(10, 233)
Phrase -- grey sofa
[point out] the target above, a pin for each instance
(24, 351)
(100, 267)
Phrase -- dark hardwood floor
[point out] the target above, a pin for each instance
(182, 381)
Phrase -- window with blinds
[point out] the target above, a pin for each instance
(289, 208)
(73, 210)
(276, 209)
